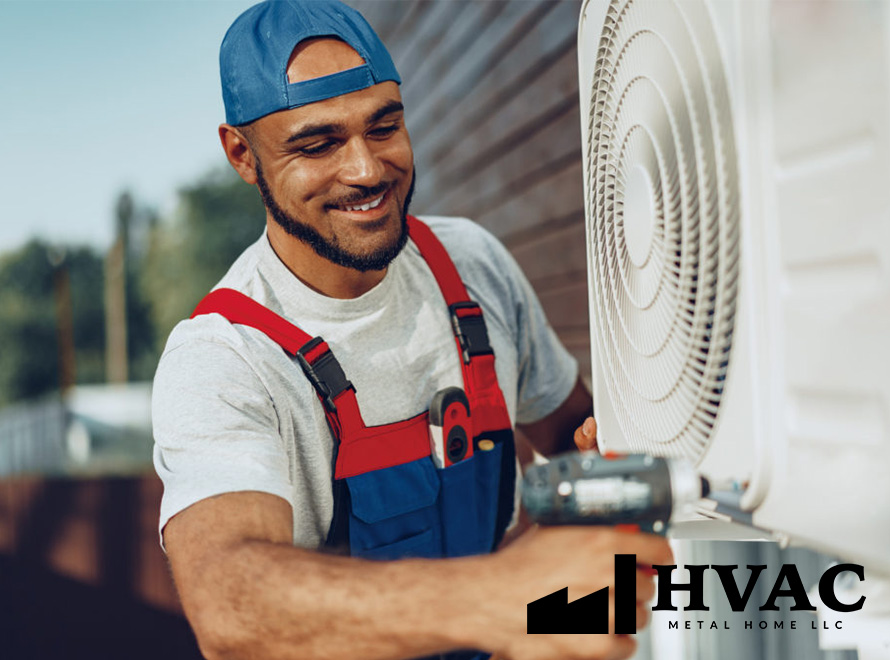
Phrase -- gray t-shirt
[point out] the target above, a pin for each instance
(232, 411)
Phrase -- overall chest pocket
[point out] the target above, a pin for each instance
(469, 503)
(394, 512)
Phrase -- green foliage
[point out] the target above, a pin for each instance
(171, 265)
(29, 357)
(218, 217)
(141, 335)
(86, 271)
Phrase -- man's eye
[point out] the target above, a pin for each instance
(385, 131)
(317, 149)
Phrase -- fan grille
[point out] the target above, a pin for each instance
(663, 213)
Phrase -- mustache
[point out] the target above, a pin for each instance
(360, 193)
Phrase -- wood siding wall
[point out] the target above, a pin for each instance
(491, 95)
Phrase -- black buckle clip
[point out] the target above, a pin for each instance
(325, 374)
(470, 331)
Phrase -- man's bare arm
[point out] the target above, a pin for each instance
(249, 594)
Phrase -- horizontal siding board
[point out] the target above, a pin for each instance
(425, 38)
(507, 166)
(557, 256)
(515, 240)
(444, 106)
(416, 42)
(458, 40)
(566, 306)
(384, 17)
(527, 60)
(545, 102)
(554, 192)
(499, 106)
(409, 20)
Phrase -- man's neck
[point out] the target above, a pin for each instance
(318, 273)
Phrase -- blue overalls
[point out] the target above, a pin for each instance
(391, 501)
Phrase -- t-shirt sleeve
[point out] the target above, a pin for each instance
(547, 371)
(215, 428)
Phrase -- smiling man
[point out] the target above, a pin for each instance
(345, 163)
(334, 425)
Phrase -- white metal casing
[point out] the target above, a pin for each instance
(804, 418)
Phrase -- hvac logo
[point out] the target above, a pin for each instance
(555, 615)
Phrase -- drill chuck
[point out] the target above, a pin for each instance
(587, 489)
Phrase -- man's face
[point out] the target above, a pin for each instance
(337, 174)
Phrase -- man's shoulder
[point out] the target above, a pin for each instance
(491, 275)
(458, 232)
(472, 248)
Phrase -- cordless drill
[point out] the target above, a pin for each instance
(585, 488)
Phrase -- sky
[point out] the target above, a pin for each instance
(101, 96)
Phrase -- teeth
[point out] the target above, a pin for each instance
(366, 207)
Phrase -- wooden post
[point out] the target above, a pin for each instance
(64, 323)
(116, 357)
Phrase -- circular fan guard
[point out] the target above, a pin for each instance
(663, 209)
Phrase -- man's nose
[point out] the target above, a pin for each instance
(361, 166)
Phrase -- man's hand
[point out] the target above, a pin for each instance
(582, 559)
(585, 435)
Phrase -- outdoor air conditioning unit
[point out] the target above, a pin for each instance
(737, 193)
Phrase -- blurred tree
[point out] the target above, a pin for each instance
(129, 325)
(29, 356)
(85, 272)
(169, 267)
(141, 332)
(216, 219)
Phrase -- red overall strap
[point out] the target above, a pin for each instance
(489, 411)
(315, 357)
(361, 449)
(244, 310)
(436, 257)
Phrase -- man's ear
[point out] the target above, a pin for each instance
(239, 153)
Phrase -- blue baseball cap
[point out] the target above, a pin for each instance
(255, 51)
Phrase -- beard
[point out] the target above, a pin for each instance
(329, 248)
